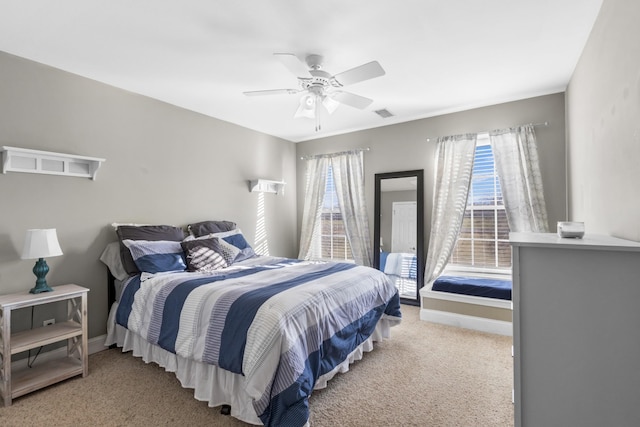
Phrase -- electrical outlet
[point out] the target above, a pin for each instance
(48, 322)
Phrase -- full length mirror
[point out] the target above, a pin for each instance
(398, 245)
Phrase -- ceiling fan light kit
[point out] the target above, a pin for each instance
(330, 104)
(322, 88)
(307, 107)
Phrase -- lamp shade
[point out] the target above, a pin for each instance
(307, 107)
(330, 104)
(41, 243)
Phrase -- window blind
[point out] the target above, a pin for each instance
(483, 242)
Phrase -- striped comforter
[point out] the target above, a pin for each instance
(280, 323)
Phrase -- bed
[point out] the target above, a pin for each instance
(255, 333)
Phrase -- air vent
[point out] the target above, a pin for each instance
(384, 113)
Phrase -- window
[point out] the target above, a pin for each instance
(483, 242)
(330, 239)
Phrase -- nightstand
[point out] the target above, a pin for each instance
(74, 330)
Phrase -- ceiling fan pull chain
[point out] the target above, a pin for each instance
(317, 113)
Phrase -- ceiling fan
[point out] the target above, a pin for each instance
(322, 88)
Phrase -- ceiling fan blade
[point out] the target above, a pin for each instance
(293, 64)
(351, 99)
(361, 73)
(271, 92)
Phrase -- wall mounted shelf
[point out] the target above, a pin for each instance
(49, 163)
(266, 186)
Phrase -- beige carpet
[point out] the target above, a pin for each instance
(425, 375)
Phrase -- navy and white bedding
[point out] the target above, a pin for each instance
(475, 286)
(279, 323)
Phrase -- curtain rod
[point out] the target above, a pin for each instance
(319, 156)
(532, 124)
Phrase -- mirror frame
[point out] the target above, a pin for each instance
(420, 258)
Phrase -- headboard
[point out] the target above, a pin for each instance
(111, 290)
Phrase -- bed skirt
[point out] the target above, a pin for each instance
(214, 385)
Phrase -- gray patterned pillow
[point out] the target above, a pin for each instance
(228, 251)
(204, 255)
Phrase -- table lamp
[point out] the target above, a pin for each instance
(39, 244)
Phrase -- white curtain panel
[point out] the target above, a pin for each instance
(314, 195)
(454, 165)
(348, 176)
(516, 159)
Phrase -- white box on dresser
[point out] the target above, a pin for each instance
(576, 320)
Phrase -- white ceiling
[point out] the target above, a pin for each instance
(440, 56)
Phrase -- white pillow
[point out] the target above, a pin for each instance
(219, 235)
(224, 234)
(111, 257)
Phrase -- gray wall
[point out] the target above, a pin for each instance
(405, 147)
(165, 165)
(603, 125)
(169, 165)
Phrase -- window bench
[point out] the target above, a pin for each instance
(472, 302)
(475, 286)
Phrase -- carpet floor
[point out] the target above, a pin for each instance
(425, 375)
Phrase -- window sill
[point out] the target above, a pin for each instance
(474, 272)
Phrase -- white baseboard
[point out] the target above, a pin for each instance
(95, 345)
(482, 324)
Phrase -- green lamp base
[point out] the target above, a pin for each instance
(40, 270)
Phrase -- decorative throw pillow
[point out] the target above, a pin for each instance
(156, 256)
(144, 232)
(236, 238)
(228, 251)
(245, 253)
(203, 255)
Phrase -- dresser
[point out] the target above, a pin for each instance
(576, 331)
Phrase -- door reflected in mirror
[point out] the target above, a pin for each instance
(398, 230)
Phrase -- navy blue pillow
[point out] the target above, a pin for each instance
(237, 240)
(157, 256)
(144, 232)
